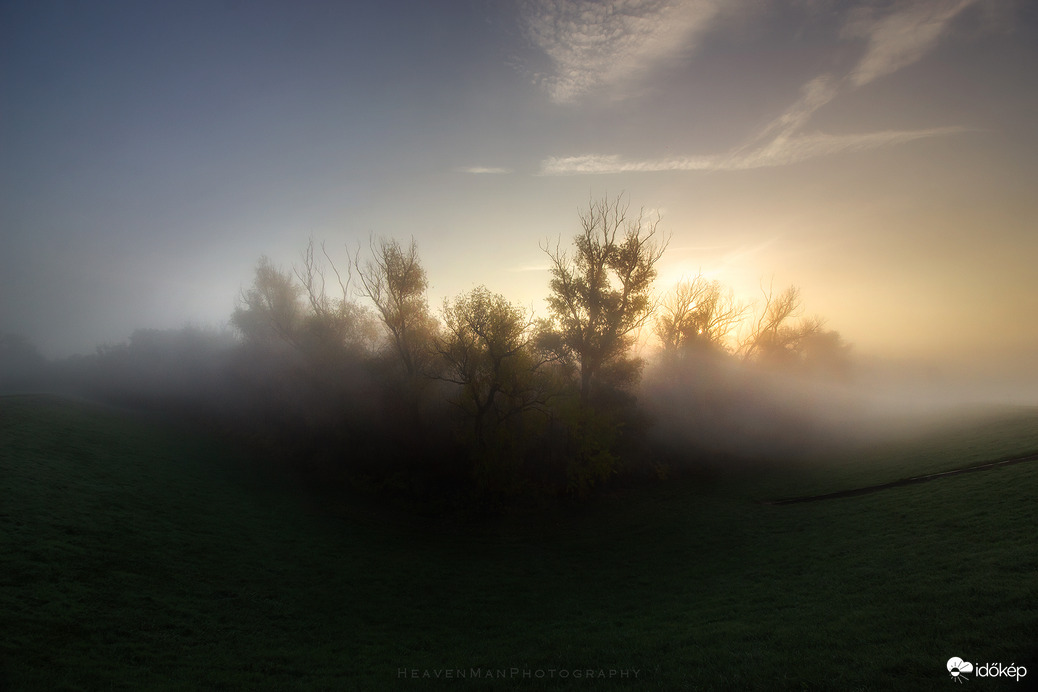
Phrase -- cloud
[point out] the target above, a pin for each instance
(794, 149)
(603, 44)
(894, 41)
(597, 164)
(782, 151)
(902, 37)
(484, 170)
(813, 95)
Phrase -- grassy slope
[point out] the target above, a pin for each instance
(133, 555)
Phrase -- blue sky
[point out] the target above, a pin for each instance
(881, 155)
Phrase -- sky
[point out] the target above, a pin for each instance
(882, 156)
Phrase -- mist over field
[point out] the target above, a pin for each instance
(727, 407)
(335, 404)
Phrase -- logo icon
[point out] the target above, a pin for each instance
(956, 666)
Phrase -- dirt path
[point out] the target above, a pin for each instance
(904, 481)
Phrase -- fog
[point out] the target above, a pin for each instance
(704, 408)
(743, 413)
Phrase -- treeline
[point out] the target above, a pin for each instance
(343, 370)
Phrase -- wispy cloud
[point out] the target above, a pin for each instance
(797, 148)
(484, 170)
(592, 44)
(781, 151)
(813, 95)
(901, 37)
(895, 40)
(611, 163)
(602, 43)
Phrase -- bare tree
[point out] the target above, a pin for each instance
(338, 322)
(698, 312)
(396, 283)
(601, 293)
(774, 336)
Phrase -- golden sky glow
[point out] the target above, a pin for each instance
(882, 156)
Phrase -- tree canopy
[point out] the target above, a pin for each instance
(601, 290)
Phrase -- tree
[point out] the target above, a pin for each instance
(698, 313)
(395, 282)
(270, 313)
(273, 313)
(775, 339)
(601, 293)
(333, 324)
(825, 353)
(485, 347)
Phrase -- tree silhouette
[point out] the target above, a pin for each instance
(333, 324)
(394, 280)
(485, 348)
(698, 313)
(778, 338)
(600, 294)
(825, 353)
(271, 312)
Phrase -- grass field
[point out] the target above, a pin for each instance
(138, 555)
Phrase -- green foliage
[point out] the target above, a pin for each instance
(485, 350)
(593, 436)
(498, 465)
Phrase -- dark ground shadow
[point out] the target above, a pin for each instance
(904, 481)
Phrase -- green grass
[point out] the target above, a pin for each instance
(135, 555)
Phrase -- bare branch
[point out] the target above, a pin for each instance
(349, 272)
